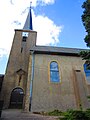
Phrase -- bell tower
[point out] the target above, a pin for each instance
(17, 66)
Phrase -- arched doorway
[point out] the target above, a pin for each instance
(16, 100)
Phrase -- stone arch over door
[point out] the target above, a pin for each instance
(16, 99)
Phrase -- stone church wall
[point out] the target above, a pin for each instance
(46, 95)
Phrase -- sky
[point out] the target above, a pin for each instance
(57, 22)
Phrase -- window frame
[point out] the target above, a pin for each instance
(86, 72)
(57, 71)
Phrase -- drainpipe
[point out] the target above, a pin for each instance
(32, 77)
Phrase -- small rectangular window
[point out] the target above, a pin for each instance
(78, 70)
(24, 38)
(21, 50)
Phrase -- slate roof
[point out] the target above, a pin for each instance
(56, 50)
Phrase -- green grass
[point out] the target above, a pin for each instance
(69, 114)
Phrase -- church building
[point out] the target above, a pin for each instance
(44, 78)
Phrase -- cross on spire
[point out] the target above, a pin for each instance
(30, 4)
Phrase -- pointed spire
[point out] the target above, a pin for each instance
(28, 24)
(31, 26)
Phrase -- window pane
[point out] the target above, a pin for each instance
(88, 79)
(54, 76)
(85, 68)
(54, 72)
(87, 73)
(54, 66)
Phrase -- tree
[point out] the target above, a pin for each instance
(86, 22)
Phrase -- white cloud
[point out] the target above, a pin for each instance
(48, 32)
(3, 52)
(44, 2)
(34, 2)
(11, 18)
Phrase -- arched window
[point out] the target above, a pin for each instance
(54, 72)
(87, 73)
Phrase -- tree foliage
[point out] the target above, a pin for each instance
(86, 22)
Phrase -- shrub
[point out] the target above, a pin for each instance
(77, 115)
(55, 113)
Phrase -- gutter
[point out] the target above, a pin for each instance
(32, 77)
